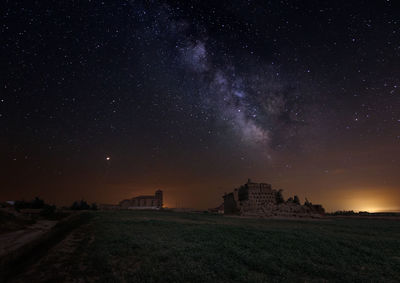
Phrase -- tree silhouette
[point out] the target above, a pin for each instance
(279, 197)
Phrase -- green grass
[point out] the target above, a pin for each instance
(139, 246)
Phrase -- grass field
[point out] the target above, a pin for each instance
(140, 246)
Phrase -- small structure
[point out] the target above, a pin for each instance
(219, 209)
(144, 202)
(259, 199)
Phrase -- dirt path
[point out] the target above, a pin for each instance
(13, 240)
(61, 261)
(29, 253)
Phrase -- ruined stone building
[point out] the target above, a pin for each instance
(249, 196)
(144, 202)
(259, 199)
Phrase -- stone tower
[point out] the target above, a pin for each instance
(159, 198)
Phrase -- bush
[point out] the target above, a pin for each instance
(36, 203)
(48, 211)
(83, 205)
(344, 212)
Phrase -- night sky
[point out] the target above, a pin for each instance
(104, 100)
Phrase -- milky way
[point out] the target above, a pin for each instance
(253, 103)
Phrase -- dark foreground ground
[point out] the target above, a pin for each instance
(139, 246)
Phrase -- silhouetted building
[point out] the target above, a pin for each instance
(259, 199)
(249, 197)
(144, 202)
(219, 209)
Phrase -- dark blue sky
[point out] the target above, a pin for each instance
(195, 96)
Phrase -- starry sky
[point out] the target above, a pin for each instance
(105, 100)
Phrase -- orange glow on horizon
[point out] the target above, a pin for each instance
(366, 199)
